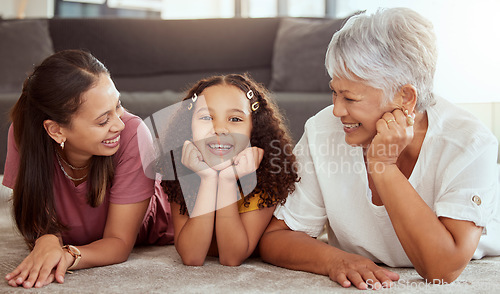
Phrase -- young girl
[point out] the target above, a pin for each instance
(80, 193)
(240, 158)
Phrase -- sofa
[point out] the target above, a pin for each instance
(152, 62)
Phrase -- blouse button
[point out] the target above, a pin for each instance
(476, 199)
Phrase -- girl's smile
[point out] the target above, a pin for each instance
(221, 123)
(220, 149)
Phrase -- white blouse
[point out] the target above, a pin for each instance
(455, 174)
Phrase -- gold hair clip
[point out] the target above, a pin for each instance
(255, 106)
(194, 98)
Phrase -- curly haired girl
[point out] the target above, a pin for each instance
(233, 140)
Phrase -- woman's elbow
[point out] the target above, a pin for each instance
(441, 276)
(234, 261)
(122, 255)
(120, 258)
(192, 259)
(193, 262)
(123, 258)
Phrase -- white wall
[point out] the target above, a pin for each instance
(489, 114)
(34, 8)
(7, 9)
(468, 42)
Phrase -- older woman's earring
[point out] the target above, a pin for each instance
(62, 145)
(250, 94)
(409, 120)
(194, 98)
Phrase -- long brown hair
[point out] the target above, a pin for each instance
(52, 92)
(276, 174)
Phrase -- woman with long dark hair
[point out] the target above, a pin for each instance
(80, 193)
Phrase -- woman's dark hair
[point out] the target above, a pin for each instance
(276, 174)
(52, 92)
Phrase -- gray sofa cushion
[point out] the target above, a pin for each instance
(297, 108)
(7, 100)
(23, 44)
(136, 49)
(299, 54)
(144, 104)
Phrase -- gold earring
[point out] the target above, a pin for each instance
(409, 120)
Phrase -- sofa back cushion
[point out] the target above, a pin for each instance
(23, 44)
(299, 54)
(145, 55)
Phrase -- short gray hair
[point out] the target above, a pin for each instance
(387, 49)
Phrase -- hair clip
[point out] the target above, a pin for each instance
(250, 94)
(255, 106)
(194, 98)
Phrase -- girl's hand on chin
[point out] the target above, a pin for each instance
(245, 163)
(192, 159)
(393, 135)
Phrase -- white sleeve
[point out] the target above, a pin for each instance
(304, 209)
(470, 186)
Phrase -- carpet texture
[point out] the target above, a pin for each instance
(159, 269)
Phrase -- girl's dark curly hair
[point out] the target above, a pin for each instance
(276, 174)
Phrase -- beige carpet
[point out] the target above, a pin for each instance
(160, 270)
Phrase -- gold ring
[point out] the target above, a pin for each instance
(391, 120)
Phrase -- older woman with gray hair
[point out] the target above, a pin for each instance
(399, 176)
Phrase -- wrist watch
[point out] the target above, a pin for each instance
(75, 252)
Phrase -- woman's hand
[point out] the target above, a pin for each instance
(394, 133)
(245, 163)
(192, 159)
(352, 269)
(47, 261)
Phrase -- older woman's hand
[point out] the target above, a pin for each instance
(360, 272)
(394, 133)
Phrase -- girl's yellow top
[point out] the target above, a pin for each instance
(254, 203)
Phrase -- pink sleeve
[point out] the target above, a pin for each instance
(130, 183)
(11, 161)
